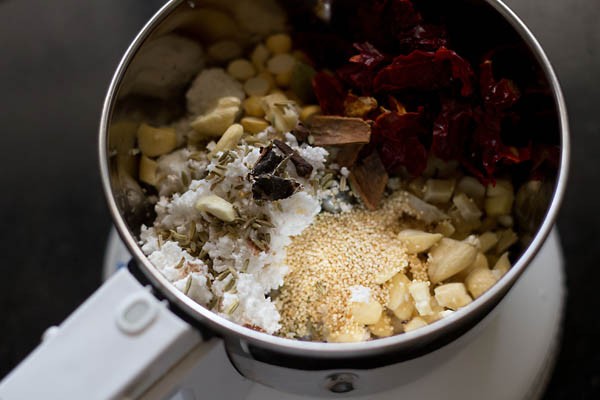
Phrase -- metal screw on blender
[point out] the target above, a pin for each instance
(341, 383)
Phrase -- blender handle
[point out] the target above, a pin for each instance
(117, 344)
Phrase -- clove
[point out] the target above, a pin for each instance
(303, 168)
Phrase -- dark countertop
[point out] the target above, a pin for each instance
(56, 60)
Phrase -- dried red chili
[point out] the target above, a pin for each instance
(360, 72)
(396, 137)
(369, 56)
(451, 130)
(499, 95)
(358, 77)
(422, 70)
(470, 117)
(423, 37)
(329, 92)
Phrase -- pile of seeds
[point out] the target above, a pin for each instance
(337, 252)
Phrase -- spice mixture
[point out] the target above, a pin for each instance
(362, 249)
(324, 198)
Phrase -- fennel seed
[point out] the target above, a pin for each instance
(212, 303)
(343, 183)
(216, 182)
(223, 275)
(180, 263)
(328, 184)
(248, 223)
(229, 285)
(258, 243)
(231, 309)
(265, 223)
(188, 285)
(185, 179)
(278, 206)
(224, 156)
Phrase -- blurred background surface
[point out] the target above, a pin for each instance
(56, 61)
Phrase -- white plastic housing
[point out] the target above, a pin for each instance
(115, 345)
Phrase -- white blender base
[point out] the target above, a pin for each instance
(512, 357)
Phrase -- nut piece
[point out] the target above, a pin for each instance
(216, 121)
(209, 87)
(501, 188)
(383, 327)
(355, 106)
(497, 206)
(420, 293)
(224, 51)
(241, 69)
(404, 311)
(479, 281)
(123, 135)
(257, 86)
(502, 266)
(147, 172)
(254, 125)
(445, 228)
(284, 79)
(448, 258)
(279, 43)
(308, 112)
(259, 56)
(387, 272)
(398, 291)
(487, 240)
(471, 187)
(217, 207)
(438, 190)
(252, 107)
(506, 239)
(269, 78)
(281, 112)
(481, 261)
(352, 334)
(467, 208)
(366, 313)
(452, 296)
(211, 24)
(229, 140)
(368, 179)
(281, 63)
(500, 198)
(418, 241)
(154, 142)
(414, 323)
(437, 312)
